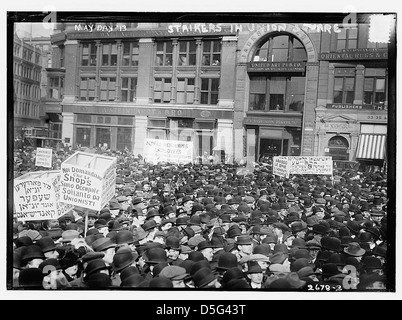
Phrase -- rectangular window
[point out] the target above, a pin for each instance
(87, 89)
(347, 38)
(211, 53)
(209, 91)
(277, 90)
(109, 54)
(185, 90)
(56, 88)
(62, 53)
(258, 89)
(107, 89)
(187, 53)
(83, 136)
(83, 118)
(164, 53)
(128, 89)
(130, 54)
(162, 90)
(344, 90)
(88, 56)
(280, 48)
(124, 138)
(374, 91)
(125, 121)
(295, 94)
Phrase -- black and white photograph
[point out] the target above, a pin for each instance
(216, 153)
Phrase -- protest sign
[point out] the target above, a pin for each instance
(36, 196)
(43, 157)
(157, 150)
(280, 166)
(88, 180)
(310, 165)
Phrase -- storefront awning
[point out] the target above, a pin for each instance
(371, 146)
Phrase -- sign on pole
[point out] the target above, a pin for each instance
(157, 150)
(88, 180)
(44, 157)
(280, 166)
(36, 196)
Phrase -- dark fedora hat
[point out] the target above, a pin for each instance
(370, 263)
(298, 226)
(329, 269)
(204, 244)
(281, 226)
(46, 244)
(31, 252)
(155, 255)
(331, 243)
(243, 240)
(127, 272)
(226, 260)
(320, 229)
(102, 244)
(203, 277)
(124, 237)
(152, 213)
(253, 267)
(172, 242)
(149, 225)
(353, 226)
(204, 263)
(379, 251)
(133, 280)
(160, 282)
(99, 281)
(123, 258)
(100, 223)
(92, 255)
(196, 256)
(94, 266)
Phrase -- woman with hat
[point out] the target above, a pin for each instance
(173, 249)
(71, 265)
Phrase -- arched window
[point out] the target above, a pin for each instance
(338, 148)
(280, 48)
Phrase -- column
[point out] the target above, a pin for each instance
(145, 64)
(141, 123)
(309, 109)
(240, 108)
(251, 147)
(359, 86)
(175, 57)
(118, 78)
(228, 69)
(197, 82)
(225, 138)
(70, 80)
(98, 64)
(68, 127)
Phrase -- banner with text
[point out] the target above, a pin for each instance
(157, 150)
(43, 157)
(285, 165)
(36, 196)
(88, 180)
(310, 165)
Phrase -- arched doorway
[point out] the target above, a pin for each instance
(338, 148)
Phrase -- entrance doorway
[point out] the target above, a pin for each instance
(270, 147)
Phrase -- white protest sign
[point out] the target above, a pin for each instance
(43, 157)
(88, 180)
(280, 166)
(36, 196)
(310, 165)
(157, 150)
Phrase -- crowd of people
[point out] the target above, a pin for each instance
(213, 226)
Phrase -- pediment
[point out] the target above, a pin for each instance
(339, 118)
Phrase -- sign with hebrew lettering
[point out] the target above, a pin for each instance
(36, 196)
(310, 165)
(88, 180)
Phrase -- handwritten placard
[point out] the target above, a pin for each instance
(157, 150)
(36, 196)
(280, 166)
(310, 165)
(43, 157)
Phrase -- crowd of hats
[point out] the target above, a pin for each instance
(325, 228)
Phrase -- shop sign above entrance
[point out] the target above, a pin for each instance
(264, 66)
